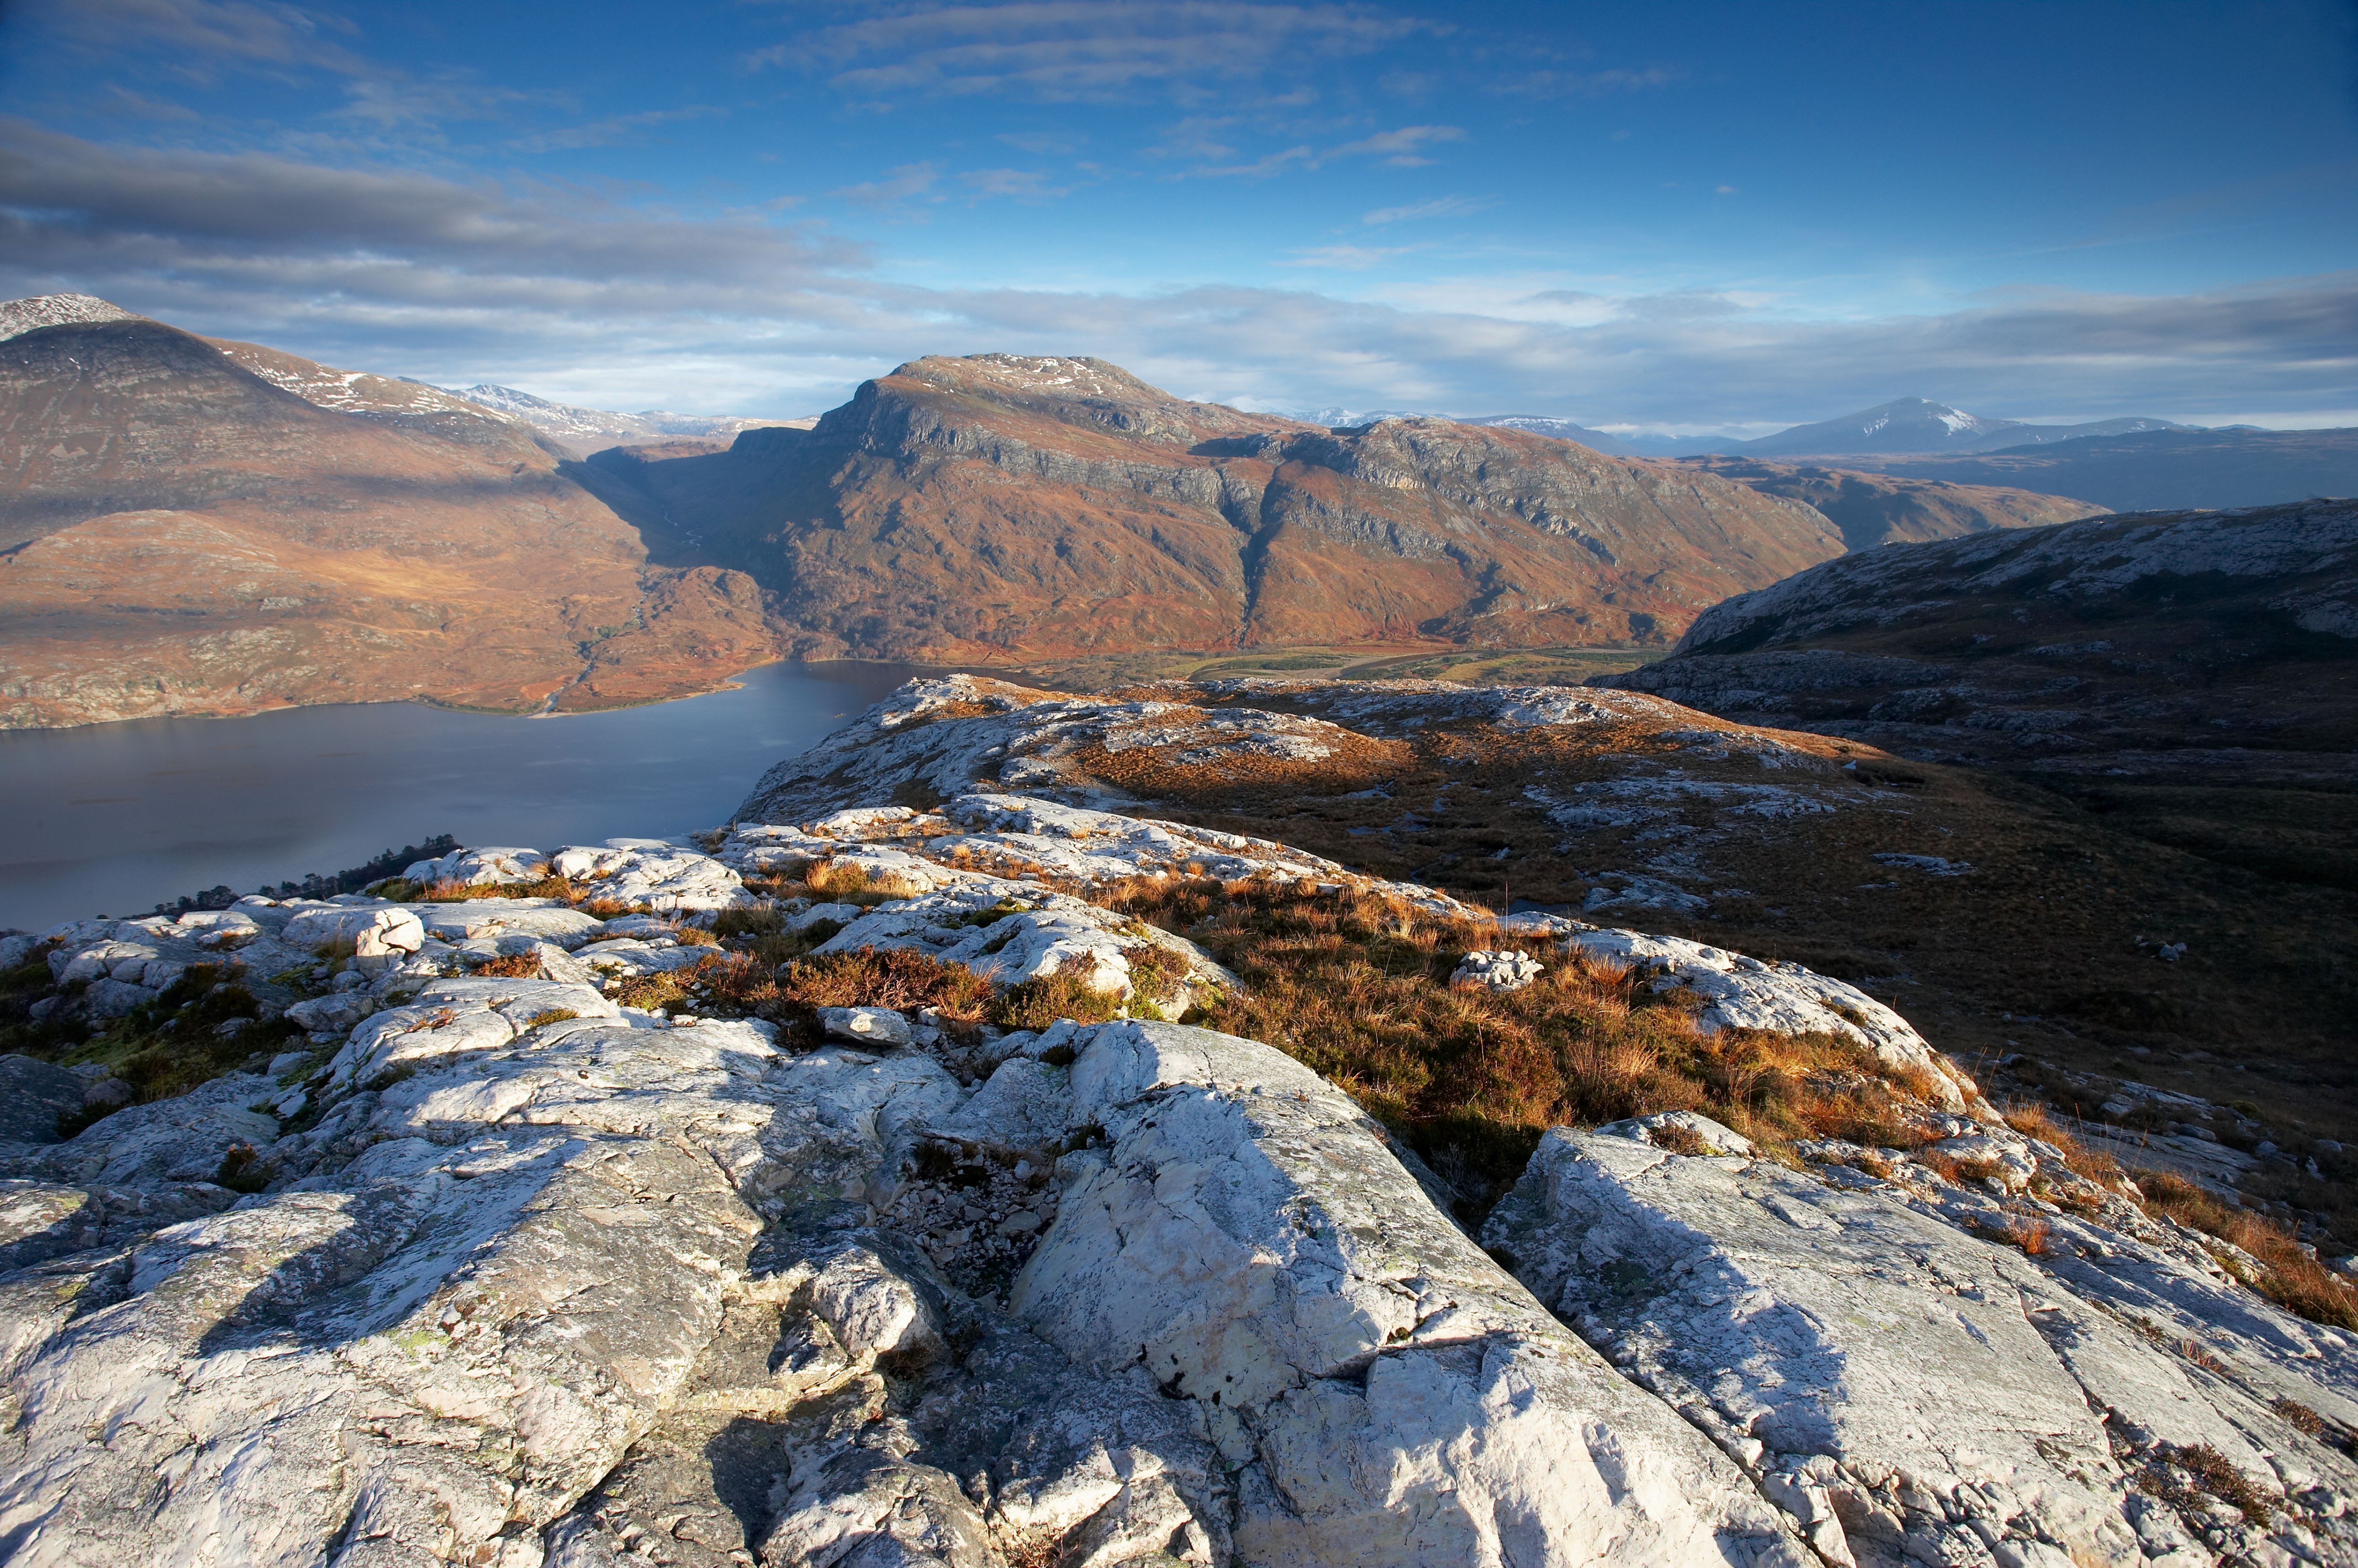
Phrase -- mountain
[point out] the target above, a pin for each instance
(1351, 418)
(2161, 471)
(193, 527)
(2192, 674)
(1874, 509)
(1536, 424)
(581, 431)
(1918, 424)
(1003, 507)
(1561, 429)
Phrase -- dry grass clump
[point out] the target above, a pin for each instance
(2288, 1276)
(842, 881)
(451, 891)
(2303, 1420)
(510, 966)
(792, 991)
(2214, 1475)
(1038, 1002)
(2023, 1229)
(1357, 987)
(2037, 1122)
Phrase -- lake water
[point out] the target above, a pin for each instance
(115, 818)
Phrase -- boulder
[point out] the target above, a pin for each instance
(1506, 969)
(875, 1026)
(377, 932)
(33, 1095)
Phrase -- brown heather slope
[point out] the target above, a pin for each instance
(1003, 508)
(180, 535)
(2003, 921)
(1885, 509)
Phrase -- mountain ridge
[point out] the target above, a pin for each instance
(1138, 516)
(184, 534)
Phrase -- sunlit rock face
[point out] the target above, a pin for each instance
(488, 1266)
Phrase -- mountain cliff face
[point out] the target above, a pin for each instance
(998, 507)
(189, 527)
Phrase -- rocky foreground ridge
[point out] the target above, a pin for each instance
(531, 1242)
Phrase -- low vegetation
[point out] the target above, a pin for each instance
(202, 1026)
(1357, 987)
(2258, 1251)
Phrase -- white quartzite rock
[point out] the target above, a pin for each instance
(535, 1286)
(1910, 1391)
(1506, 970)
(1249, 1242)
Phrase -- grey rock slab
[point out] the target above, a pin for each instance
(1024, 1103)
(33, 1095)
(494, 917)
(181, 1139)
(1905, 1388)
(1247, 1240)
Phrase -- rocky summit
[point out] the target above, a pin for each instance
(954, 1180)
(1004, 506)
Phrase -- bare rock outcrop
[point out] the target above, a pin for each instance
(501, 1270)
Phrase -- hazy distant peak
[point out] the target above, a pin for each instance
(1351, 418)
(584, 430)
(18, 317)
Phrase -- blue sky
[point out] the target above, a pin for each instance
(1723, 218)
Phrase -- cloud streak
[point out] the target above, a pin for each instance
(401, 271)
(198, 37)
(1081, 49)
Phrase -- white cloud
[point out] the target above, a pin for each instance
(1403, 148)
(196, 38)
(1068, 49)
(899, 184)
(1352, 258)
(1440, 207)
(400, 272)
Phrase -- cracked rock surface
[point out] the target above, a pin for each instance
(600, 1291)
(1911, 1391)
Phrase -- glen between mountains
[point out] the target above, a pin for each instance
(191, 526)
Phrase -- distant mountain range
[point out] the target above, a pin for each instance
(2157, 471)
(1918, 424)
(191, 526)
(1905, 425)
(585, 430)
(2111, 465)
